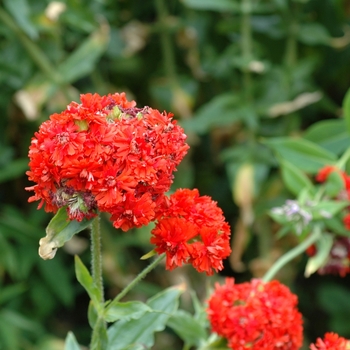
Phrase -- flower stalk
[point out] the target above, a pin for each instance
(290, 255)
(139, 277)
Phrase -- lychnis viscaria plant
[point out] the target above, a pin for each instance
(107, 155)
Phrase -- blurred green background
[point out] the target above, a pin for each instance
(234, 73)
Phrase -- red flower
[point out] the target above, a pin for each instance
(192, 229)
(323, 173)
(331, 341)
(105, 154)
(256, 315)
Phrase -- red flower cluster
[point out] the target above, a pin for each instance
(105, 154)
(256, 315)
(191, 229)
(331, 341)
(322, 176)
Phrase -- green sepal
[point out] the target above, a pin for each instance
(59, 230)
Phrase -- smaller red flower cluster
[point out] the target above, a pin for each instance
(338, 261)
(331, 341)
(192, 229)
(105, 154)
(322, 176)
(256, 315)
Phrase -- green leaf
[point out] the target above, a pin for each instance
(334, 184)
(83, 60)
(187, 328)
(346, 110)
(214, 5)
(13, 169)
(336, 225)
(327, 209)
(302, 153)
(220, 111)
(71, 343)
(85, 279)
(323, 246)
(59, 231)
(294, 179)
(20, 10)
(139, 333)
(313, 34)
(330, 134)
(129, 310)
(59, 282)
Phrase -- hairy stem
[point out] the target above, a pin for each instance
(96, 255)
(138, 278)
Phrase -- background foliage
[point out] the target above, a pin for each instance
(240, 76)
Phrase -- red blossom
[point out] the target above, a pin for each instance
(256, 315)
(105, 154)
(331, 341)
(192, 229)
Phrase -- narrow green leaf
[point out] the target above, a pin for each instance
(139, 333)
(85, 279)
(323, 245)
(13, 169)
(20, 10)
(71, 343)
(129, 310)
(302, 153)
(59, 231)
(83, 60)
(329, 134)
(335, 225)
(346, 109)
(187, 328)
(219, 111)
(327, 209)
(216, 5)
(334, 184)
(294, 179)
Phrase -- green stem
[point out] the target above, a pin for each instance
(139, 277)
(284, 259)
(96, 255)
(167, 45)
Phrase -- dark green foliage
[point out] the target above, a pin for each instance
(241, 76)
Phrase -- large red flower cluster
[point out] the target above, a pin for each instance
(192, 229)
(106, 154)
(256, 315)
(331, 341)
